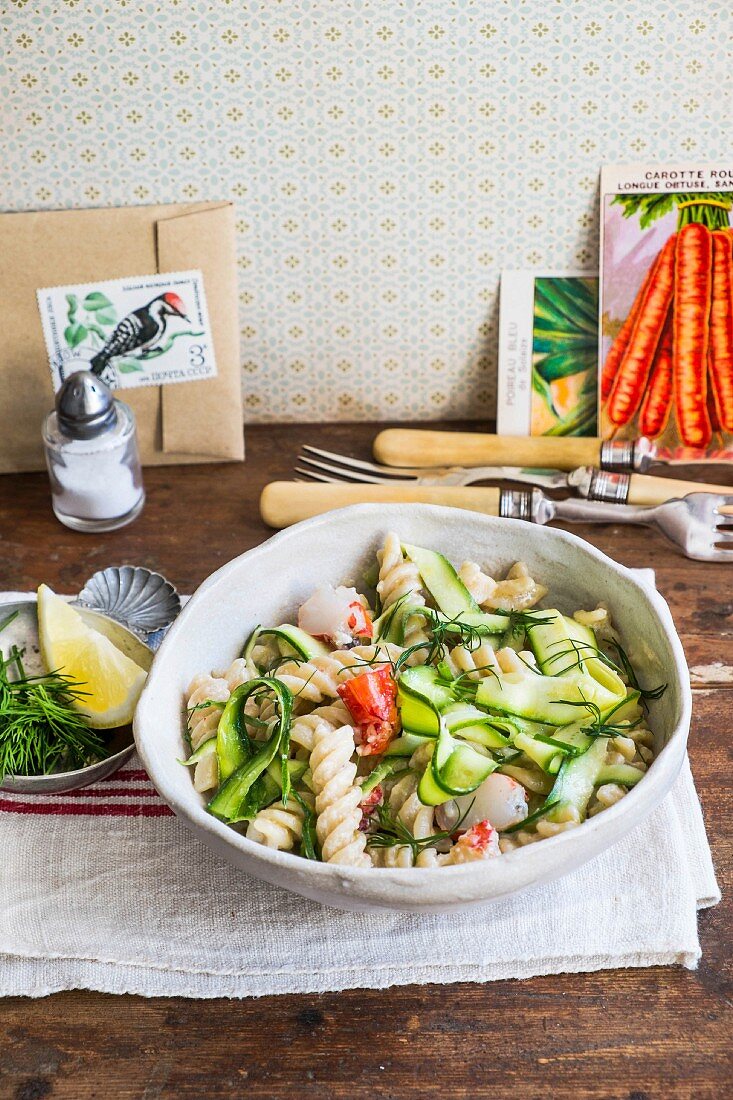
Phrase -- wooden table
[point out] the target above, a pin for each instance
(636, 1034)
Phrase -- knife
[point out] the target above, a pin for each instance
(420, 447)
(283, 503)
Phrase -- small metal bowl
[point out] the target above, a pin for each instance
(59, 782)
(25, 632)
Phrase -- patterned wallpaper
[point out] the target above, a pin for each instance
(386, 158)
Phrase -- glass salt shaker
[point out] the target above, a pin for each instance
(92, 456)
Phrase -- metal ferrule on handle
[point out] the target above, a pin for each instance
(627, 454)
(516, 504)
(642, 489)
(609, 486)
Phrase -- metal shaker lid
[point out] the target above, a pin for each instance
(85, 406)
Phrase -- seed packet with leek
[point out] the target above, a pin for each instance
(666, 309)
(548, 353)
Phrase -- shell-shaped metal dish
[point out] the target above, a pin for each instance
(141, 600)
(121, 744)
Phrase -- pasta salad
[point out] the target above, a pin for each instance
(445, 720)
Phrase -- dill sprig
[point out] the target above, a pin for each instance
(40, 731)
(460, 632)
(444, 633)
(597, 727)
(9, 619)
(582, 651)
(464, 688)
(562, 746)
(525, 619)
(393, 832)
(626, 668)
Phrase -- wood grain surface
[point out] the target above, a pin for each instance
(634, 1034)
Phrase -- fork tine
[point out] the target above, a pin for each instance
(355, 463)
(311, 475)
(340, 474)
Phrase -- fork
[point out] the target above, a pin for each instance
(328, 466)
(595, 484)
(693, 523)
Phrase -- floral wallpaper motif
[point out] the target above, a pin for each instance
(387, 159)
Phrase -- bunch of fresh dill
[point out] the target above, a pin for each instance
(40, 730)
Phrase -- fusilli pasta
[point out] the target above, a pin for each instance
(332, 714)
(239, 672)
(206, 773)
(279, 826)
(471, 662)
(399, 580)
(418, 818)
(202, 722)
(337, 797)
(517, 592)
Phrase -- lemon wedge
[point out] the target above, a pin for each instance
(112, 681)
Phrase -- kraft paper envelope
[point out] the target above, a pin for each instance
(183, 422)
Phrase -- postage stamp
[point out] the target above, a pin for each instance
(145, 330)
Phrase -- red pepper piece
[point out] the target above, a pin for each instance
(480, 836)
(372, 700)
(359, 621)
(368, 806)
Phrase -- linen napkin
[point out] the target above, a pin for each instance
(104, 889)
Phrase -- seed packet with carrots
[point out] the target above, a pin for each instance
(666, 308)
(548, 353)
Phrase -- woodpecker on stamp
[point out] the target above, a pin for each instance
(145, 330)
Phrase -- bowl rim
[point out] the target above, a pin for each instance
(196, 816)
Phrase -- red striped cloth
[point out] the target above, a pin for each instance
(127, 793)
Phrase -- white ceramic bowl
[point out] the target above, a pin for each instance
(267, 584)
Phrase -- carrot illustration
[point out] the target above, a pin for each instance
(636, 364)
(620, 344)
(721, 330)
(657, 403)
(712, 410)
(692, 293)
